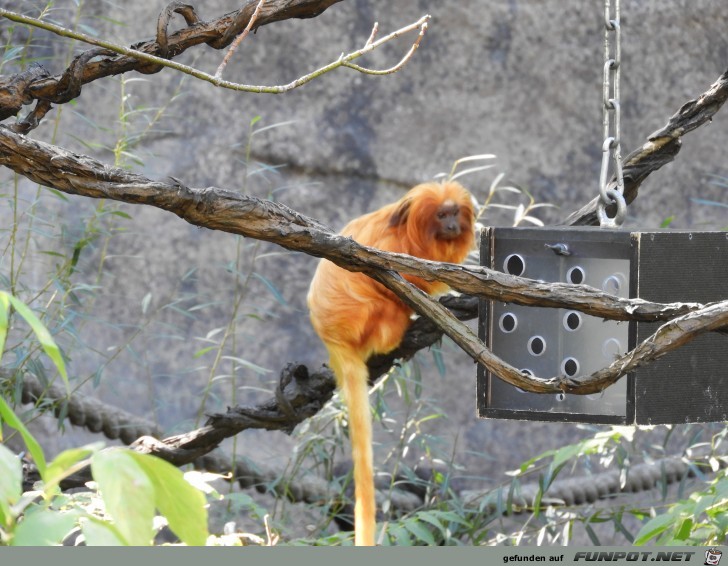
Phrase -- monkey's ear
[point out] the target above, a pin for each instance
(399, 216)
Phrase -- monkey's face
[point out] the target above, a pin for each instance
(448, 221)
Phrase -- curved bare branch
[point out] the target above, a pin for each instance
(152, 56)
(661, 147)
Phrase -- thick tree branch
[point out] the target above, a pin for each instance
(228, 211)
(668, 337)
(265, 220)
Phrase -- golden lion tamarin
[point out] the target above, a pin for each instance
(357, 317)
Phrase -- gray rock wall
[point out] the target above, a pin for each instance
(518, 79)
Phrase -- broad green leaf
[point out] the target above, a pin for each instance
(450, 516)
(183, 505)
(99, 533)
(685, 529)
(433, 519)
(61, 464)
(11, 476)
(654, 528)
(10, 418)
(400, 535)
(421, 532)
(565, 454)
(11, 484)
(44, 337)
(44, 528)
(128, 494)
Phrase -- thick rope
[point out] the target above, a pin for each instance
(99, 417)
(86, 411)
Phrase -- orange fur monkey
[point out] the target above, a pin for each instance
(357, 317)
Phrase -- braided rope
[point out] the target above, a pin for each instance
(87, 412)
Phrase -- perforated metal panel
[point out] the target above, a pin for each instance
(549, 342)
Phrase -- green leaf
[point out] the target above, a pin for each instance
(592, 535)
(145, 302)
(667, 221)
(439, 362)
(100, 533)
(44, 528)
(183, 505)
(11, 476)
(565, 454)
(200, 353)
(400, 535)
(420, 532)
(60, 466)
(127, 493)
(654, 528)
(452, 517)
(685, 529)
(272, 288)
(249, 365)
(4, 307)
(10, 418)
(11, 484)
(44, 337)
(433, 519)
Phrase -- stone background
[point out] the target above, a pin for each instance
(521, 80)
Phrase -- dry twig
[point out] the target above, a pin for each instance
(239, 40)
(151, 57)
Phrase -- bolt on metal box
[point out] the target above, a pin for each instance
(689, 384)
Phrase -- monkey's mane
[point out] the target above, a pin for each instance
(421, 227)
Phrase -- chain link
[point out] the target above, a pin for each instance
(611, 119)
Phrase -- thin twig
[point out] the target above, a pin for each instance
(343, 61)
(375, 30)
(239, 40)
(398, 66)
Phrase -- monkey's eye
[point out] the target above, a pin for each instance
(441, 215)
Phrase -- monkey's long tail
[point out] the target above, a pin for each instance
(352, 376)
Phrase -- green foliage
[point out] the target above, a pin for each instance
(701, 519)
(41, 333)
(131, 491)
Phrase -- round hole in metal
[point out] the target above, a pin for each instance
(570, 367)
(572, 320)
(536, 345)
(576, 275)
(514, 264)
(508, 322)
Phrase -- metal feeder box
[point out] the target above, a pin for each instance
(689, 384)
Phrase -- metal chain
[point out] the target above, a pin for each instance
(611, 116)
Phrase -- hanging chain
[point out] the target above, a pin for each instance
(611, 115)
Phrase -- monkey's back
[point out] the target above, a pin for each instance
(350, 308)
